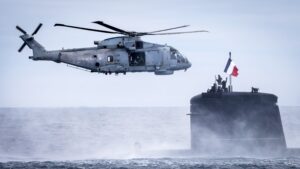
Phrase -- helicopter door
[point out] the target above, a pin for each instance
(137, 59)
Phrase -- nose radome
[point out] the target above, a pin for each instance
(189, 63)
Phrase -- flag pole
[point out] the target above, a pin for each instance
(230, 81)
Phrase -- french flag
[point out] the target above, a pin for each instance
(231, 68)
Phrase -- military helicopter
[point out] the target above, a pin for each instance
(126, 53)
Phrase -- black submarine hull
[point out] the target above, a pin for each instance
(236, 123)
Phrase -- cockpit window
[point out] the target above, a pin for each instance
(173, 56)
(177, 56)
(173, 53)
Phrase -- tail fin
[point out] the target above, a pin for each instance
(37, 48)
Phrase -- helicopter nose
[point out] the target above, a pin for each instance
(189, 64)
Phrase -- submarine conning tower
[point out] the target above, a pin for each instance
(236, 123)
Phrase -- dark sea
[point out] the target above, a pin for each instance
(131, 137)
(164, 163)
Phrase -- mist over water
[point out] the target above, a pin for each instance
(134, 137)
(290, 117)
(84, 133)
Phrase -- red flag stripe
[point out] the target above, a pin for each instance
(235, 71)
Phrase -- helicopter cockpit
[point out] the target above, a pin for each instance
(178, 59)
(175, 55)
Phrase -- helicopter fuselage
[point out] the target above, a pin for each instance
(126, 53)
(116, 55)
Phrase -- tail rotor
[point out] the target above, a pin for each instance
(28, 37)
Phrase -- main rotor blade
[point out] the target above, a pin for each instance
(88, 29)
(21, 30)
(111, 27)
(173, 33)
(183, 26)
(37, 29)
(22, 47)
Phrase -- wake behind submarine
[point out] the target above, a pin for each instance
(226, 122)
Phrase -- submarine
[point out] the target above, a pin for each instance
(225, 122)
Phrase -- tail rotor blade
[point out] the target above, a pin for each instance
(22, 47)
(37, 29)
(21, 30)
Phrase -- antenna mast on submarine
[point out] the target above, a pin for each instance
(231, 70)
(230, 76)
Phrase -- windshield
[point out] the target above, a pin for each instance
(176, 55)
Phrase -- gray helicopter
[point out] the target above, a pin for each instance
(126, 53)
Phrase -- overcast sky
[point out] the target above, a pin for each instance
(264, 38)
